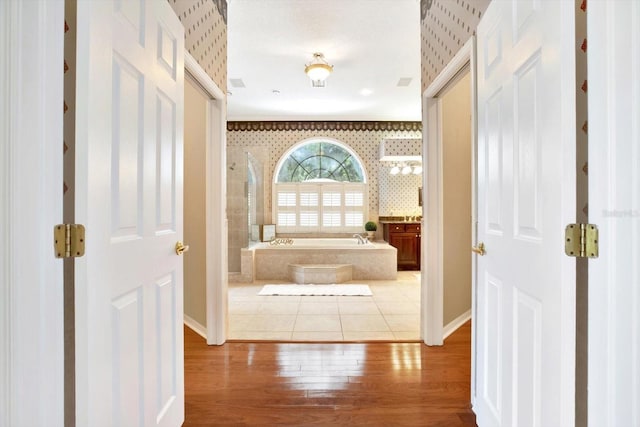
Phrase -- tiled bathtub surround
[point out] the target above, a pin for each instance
(392, 313)
(373, 261)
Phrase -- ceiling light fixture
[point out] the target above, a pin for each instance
(318, 70)
(395, 170)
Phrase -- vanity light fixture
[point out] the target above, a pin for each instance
(318, 70)
(417, 170)
(395, 170)
(406, 170)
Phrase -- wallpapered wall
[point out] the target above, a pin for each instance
(398, 194)
(68, 203)
(446, 27)
(275, 138)
(205, 32)
(582, 212)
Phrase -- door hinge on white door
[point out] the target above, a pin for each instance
(68, 240)
(581, 240)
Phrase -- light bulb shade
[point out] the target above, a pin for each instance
(406, 170)
(394, 170)
(417, 170)
(318, 70)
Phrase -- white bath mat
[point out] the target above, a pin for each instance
(339, 290)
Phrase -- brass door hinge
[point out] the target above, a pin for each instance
(581, 240)
(68, 240)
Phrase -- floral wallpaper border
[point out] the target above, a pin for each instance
(324, 126)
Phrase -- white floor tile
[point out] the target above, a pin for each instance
(392, 313)
(350, 307)
(274, 307)
(363, 322)
(271, 322)
(403, 322)
(326, 307)
(397, 307)
(317, 322)
(318, 298)
(243, 307)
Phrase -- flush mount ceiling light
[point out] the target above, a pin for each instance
(318, 70)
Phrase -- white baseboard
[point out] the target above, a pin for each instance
(195, 326)
(455, 324)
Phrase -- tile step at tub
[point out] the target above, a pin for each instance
(320, 273)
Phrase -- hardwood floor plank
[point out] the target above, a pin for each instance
(364, 384)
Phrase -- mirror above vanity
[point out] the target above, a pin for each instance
(400, 179)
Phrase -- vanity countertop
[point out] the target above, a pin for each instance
(394, 219)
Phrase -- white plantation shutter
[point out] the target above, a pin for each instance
(287, 198)
(308, 219)
(353, 198)
(331, 219)
(287, 219)
(309, 199)
(331, 198)
(354, 219)
(320, 207)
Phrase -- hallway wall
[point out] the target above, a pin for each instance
(195, 274)
(456, 204)
(446, 27)
(205, 32)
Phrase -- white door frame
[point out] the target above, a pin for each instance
(432, 245)
(216, 204)
(614, 200)
(31, 278)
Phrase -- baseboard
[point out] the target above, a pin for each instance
(195, 326)
(455, 324)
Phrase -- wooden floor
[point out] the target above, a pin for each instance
(370, 384)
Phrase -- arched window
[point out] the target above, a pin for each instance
(315, 160)
(319, 187)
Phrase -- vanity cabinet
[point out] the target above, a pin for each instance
(405, 237)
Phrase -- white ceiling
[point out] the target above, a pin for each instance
(371, 44)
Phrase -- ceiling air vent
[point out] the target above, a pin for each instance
(404, 82)
(236, 83)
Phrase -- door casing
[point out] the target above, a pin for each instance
(432, 143)
(31, 280)
(216, 205)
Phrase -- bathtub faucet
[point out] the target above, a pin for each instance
(361, 240)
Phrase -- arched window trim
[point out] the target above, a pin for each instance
(340, 144)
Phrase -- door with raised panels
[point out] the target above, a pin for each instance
(525, 323)
(129, 315)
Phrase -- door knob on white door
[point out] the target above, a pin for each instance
(181, 248)
(479, 249)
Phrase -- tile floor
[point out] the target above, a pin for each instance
(391, 314)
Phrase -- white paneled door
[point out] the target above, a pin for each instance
(129, 339)
(526, 195)
(614, 206)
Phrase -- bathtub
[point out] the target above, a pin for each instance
(371, 261)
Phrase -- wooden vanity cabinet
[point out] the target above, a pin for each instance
(406, 239)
